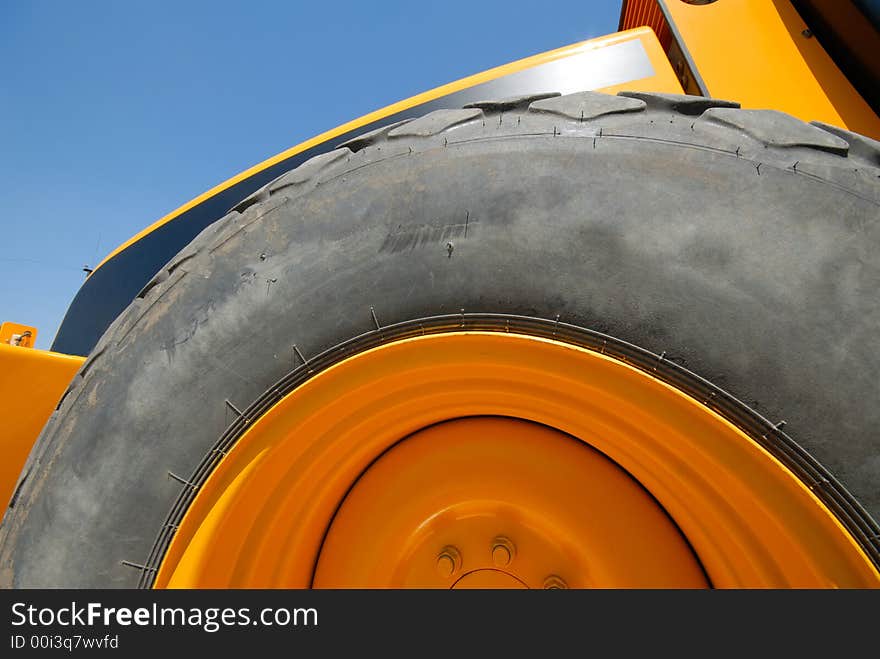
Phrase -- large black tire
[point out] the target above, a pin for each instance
(741, 243)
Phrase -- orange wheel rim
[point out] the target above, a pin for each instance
(272, 512)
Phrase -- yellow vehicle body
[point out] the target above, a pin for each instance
(762, 54)
(757, 52)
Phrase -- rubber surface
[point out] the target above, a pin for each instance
(740, 243)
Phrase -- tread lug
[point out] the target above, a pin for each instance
(307, 170)
(511, 103)
(859, 146)
(435, 122)
(582, 106)
(369, 138)
(692, 106)
(776, 129)
(254, 198)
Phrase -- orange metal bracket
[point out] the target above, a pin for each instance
(31, 382)
(16, 334)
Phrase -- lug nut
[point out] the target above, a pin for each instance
(448, 561)
(554, 583)
(502, 551)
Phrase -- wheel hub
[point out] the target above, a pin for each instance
(494, 500)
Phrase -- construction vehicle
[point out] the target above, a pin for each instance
(606, 316)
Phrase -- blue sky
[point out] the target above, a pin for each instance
(113, 114)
